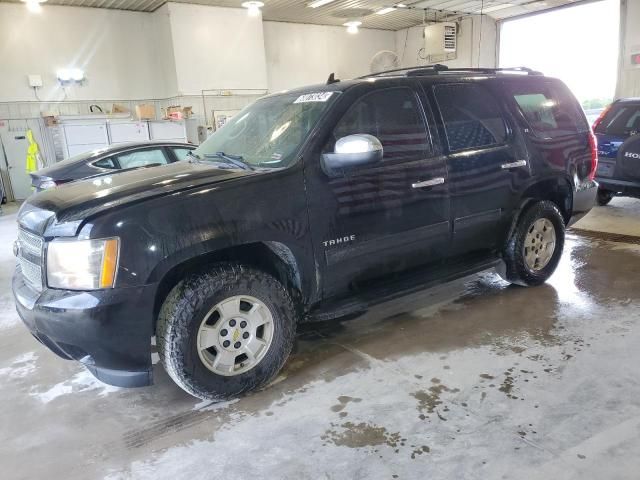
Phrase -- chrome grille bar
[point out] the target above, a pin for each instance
(29, 252)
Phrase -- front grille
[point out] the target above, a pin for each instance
(30, 258)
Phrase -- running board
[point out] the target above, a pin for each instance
(384, 291)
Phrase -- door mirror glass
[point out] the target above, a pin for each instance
(352, 152)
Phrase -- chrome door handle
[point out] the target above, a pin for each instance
(428, 183)
(519, 163)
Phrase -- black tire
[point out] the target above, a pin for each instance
(186, 307)
(604, 197)
(516, 270)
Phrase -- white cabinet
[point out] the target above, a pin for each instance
(167, 130)
(123, 132)
(77, 149)
(85, 137)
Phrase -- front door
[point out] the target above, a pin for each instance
(487, 164)
(386, 218)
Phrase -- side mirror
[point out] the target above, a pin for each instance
(352, 152)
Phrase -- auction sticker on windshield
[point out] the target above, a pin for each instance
(314, 97)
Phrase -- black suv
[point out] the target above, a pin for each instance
(617, 130)
(308, 205)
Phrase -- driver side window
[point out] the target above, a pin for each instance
(392, 116)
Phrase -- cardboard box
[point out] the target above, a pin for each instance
(119, 109)
(50, 120)
(145, 112)
(177, 112)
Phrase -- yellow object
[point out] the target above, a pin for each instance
(109, 263)
(34, 160)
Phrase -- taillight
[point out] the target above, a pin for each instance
(601, 117)
(593, 143)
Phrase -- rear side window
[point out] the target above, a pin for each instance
(394, 117)
(471, 115)
(105, 163)
(142, 158)
(549, 108)
(181, 153)
(622, 119)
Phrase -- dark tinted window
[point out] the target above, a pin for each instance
(105, 163)
(394, 117)
(622, 119)
(549, 108)
(472, 118)
(142, 158)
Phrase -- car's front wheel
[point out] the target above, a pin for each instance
(534, 249)
(225, 332)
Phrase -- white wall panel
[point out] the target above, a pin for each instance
(299, 54)
(217, 48)
(112, 46)
(474, 49)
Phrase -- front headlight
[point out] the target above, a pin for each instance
(82, 264)
(47, 184)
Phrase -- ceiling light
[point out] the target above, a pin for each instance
(34, 5)
(253, 7)
(496, 7)
(319, 3)
(385, 10)
(401, 5)
(352, 27)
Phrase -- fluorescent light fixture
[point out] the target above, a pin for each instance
(385, 10)
(66, 75)
(400, 5)
(63, 75)
(319, 3)
(253, 7)
(495, 8)
(76, 74)
(352, 27)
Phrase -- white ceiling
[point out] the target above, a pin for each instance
(339, 11)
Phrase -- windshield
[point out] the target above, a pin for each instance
(268, 133)
(622, 120)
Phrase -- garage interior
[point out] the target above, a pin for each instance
(471, 379)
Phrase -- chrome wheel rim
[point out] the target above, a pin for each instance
(539, 244)
(235, 335)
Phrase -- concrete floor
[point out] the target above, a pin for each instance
(476, 379)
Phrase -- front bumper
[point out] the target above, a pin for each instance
(109, 331)
(584, 199)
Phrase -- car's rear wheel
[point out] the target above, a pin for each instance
(225, 332)
(604, 196)
(535, 246)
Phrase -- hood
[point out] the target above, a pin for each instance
(60, 211)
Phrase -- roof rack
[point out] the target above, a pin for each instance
(438, 68)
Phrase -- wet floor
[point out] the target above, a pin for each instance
(475, 379)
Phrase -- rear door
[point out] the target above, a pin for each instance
(486, 165)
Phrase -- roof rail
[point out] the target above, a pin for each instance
(437, 69)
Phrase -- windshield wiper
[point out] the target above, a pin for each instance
(235, 160)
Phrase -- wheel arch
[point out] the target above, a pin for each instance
(275, 258)
(558, 190)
